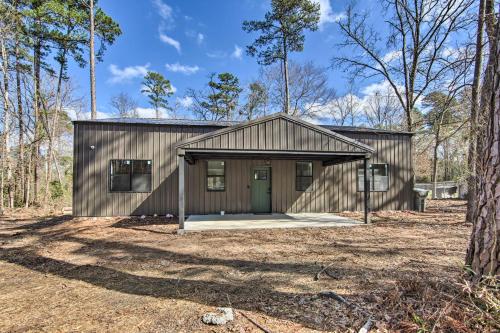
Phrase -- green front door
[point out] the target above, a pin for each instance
(261, 190)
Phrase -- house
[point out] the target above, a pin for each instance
(277, 163)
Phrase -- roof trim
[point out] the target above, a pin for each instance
(223, 123)
(274, 116)
(157, 122)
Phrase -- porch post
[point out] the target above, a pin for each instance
(182, 165)
(366, 190)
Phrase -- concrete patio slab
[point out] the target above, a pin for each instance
(268, 221)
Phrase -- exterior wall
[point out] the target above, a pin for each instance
(91, 195)
(334, 187)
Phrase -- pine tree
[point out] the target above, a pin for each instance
(282, 32)
(158, 89)
(223, 99)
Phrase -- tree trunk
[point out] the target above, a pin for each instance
(36, 119)
(27, 189)
(434, 166)
(483, 254)
(285, 72)
(55, 121)
(472, 152)
(93, 112)
(6, 158)
(20, 174)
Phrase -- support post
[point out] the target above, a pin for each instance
(182, 165)
(366, 190)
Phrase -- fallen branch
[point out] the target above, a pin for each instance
(341, 299)
(324, 270)
(366, 327)
(263, 328)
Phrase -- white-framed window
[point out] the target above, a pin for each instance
(379, 177)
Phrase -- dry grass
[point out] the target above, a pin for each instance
(116, 274)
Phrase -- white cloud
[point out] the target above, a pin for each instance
(170, 41)
(391, 56)
(150, 113)
(164, 10)
(75, 114)
(326, 13)
(184, 69)
(237, 53)
(200, 38)
(126, 74)
(173, 88)
(185, 102)
(379, 87)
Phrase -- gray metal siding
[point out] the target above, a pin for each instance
(91, 195)
(275, 134)
(334, 187)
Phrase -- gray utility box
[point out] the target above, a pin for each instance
(420, 196)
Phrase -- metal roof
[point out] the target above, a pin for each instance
(154, 121)
(337, 128)
(223, 123)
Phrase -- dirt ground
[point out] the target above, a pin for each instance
(63, 274)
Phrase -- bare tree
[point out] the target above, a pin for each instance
(443, 121)
(382, 110)
(344, 110)
(419, 36)
(125, 106)
(309, 91)
(257, 100)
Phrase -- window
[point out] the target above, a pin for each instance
(379, 178)
(216, 179)
(130, 175)
(303, 175)
(260, 174)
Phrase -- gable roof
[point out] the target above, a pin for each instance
(276, 132)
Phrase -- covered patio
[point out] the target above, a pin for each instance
(267, 221)
(276, 137)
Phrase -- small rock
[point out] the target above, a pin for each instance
(221, 318)
(213, 319)
(228, 313)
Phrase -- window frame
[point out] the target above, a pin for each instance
(210, 176)
(308, 189)
(372, 177)
(130, 175)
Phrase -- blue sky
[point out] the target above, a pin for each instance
(186, 40)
